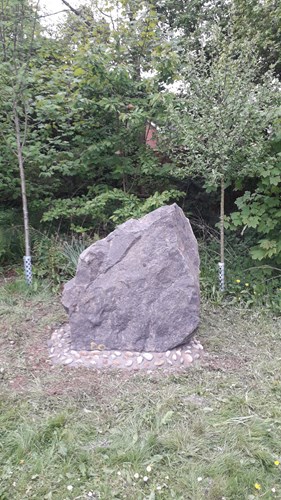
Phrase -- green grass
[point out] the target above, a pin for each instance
(211, 432)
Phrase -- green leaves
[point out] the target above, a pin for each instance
(111, 205)
(78, 72)
(261, 210)
(267, 249)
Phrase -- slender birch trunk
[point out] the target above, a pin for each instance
(23, 186)
(221, 264)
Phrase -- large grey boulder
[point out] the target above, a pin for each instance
(138, 288)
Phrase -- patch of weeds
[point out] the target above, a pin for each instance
(248, 283)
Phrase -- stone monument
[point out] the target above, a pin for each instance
(138, 288)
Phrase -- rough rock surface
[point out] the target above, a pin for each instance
(138, 288)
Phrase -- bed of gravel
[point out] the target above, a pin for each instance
(61, 353)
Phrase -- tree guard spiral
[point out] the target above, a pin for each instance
(221, 276)
(27, 269)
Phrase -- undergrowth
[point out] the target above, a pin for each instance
(247, 283)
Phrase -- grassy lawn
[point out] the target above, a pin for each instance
(212, 432)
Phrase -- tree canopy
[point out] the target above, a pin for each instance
(206, 73)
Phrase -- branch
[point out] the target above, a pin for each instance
(106, 15)
(29, 54)
(25, 127)
(77, 13)
(53, 13)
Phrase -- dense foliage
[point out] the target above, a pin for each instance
(208, 75)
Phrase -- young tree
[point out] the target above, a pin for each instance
(217, 129)
(18, 32)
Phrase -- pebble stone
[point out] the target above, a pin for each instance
(148, 356)
(68, 361)
(61, 353)
(159, 363)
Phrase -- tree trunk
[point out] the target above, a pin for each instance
(221, 264)
(222, 222)
(27, 257)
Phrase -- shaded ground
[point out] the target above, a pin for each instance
(212, 432)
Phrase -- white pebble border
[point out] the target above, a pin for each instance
(61, 353)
